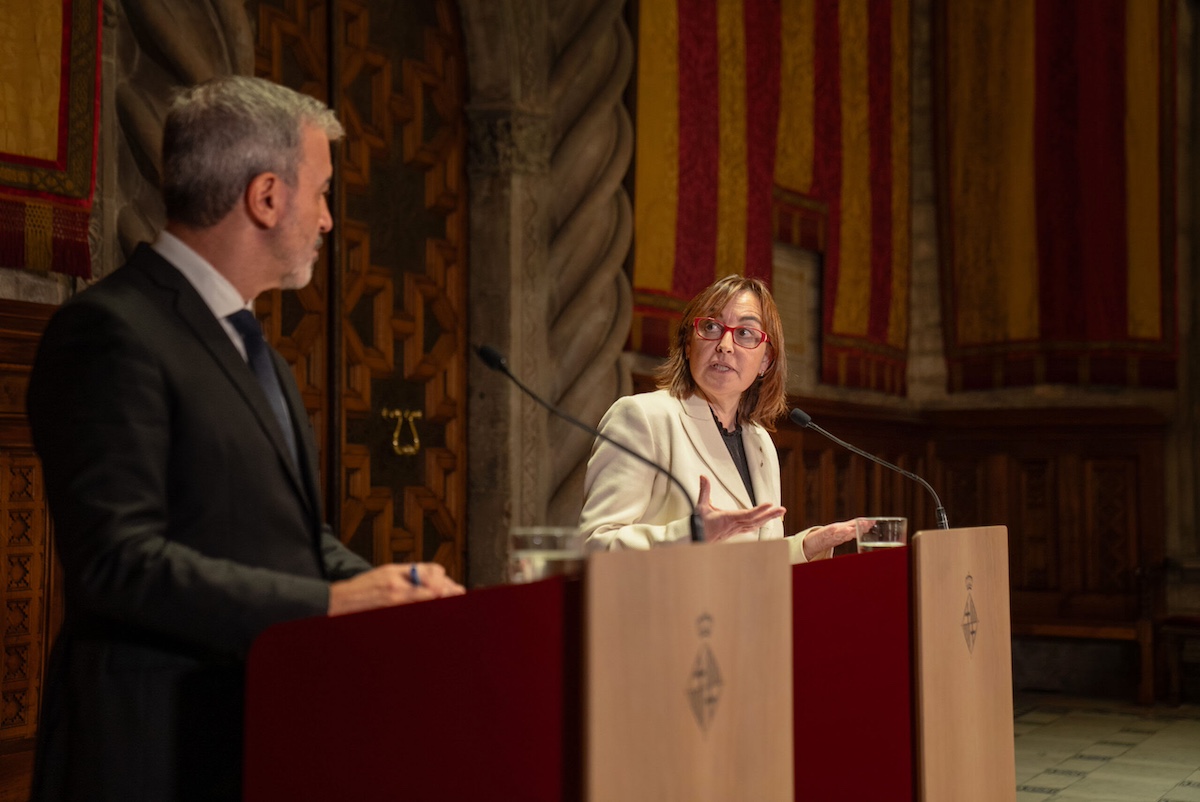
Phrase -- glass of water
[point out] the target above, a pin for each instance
(540, 552)
(883, 532)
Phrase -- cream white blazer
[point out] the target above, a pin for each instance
(629, 505)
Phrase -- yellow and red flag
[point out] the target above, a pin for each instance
(778, 120)
(1056, 143)
(707, 112)
(49, 112)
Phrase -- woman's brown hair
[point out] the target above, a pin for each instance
(766, 399)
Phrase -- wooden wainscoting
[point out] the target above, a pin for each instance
(1081, 491)
(30, 592)
(823, 482)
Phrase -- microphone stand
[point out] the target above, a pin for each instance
(805, 421)
(496, 361)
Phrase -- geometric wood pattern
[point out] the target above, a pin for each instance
(403, 330)
(391, 298)
(26, 571)
(291, 49)
(30, 594)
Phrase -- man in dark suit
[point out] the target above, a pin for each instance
(179, 466)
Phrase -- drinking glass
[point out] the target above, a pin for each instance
(879, 533)
(539, 552)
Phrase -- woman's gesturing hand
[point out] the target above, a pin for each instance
(824, 538)
(723, 524)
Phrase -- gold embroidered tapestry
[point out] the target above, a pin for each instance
(49, 111)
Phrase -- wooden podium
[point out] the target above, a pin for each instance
(903, 672)
(690, 673)
(474, 697)
(686, 653)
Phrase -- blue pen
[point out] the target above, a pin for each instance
(414, 577)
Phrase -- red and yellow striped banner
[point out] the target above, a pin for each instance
(1057, 174)
(707, 112)
(49, 82)
(844, 142)
(787, 120)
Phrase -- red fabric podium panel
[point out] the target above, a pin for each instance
(479, 696)
(474, 697)
(852, 678)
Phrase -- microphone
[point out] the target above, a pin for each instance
(494, 360)
(805, 421)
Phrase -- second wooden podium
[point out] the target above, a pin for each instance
(903, 672)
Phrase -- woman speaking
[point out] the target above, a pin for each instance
(720, 391)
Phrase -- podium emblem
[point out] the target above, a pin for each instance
(970, 624)
(704, 681)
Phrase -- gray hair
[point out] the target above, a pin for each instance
(221, 133)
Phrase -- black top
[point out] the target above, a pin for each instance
(733, 442)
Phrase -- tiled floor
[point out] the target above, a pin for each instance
(1106, 751)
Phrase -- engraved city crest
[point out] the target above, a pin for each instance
(704, 681)
(970, 622)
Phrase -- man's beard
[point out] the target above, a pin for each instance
(301, 274)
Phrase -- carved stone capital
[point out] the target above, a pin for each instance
(504, 141)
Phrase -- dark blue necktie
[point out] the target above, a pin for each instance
(260, 362)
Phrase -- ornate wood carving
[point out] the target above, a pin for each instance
(403, 333)
(30, 597)
(24, 550)
(292, 49)
(390, 300)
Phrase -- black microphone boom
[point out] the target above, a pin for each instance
(805, 421)
(494, 360)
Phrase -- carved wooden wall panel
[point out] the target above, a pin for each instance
(292, 49)
(964, 484)
(1082, 494)
(403, 307)
(30, 594)
(378, 341)
(1110, 495)
(23, 554)
(1036, 482)
(1082, 498)
(1035, 565)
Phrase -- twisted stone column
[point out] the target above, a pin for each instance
(551, 227)
(162, 45)
(589, 305)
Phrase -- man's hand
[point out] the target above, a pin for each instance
(723, 524)
(389, 585)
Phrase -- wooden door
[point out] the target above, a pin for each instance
(378, 340)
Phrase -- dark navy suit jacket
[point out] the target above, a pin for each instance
(183, 528)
